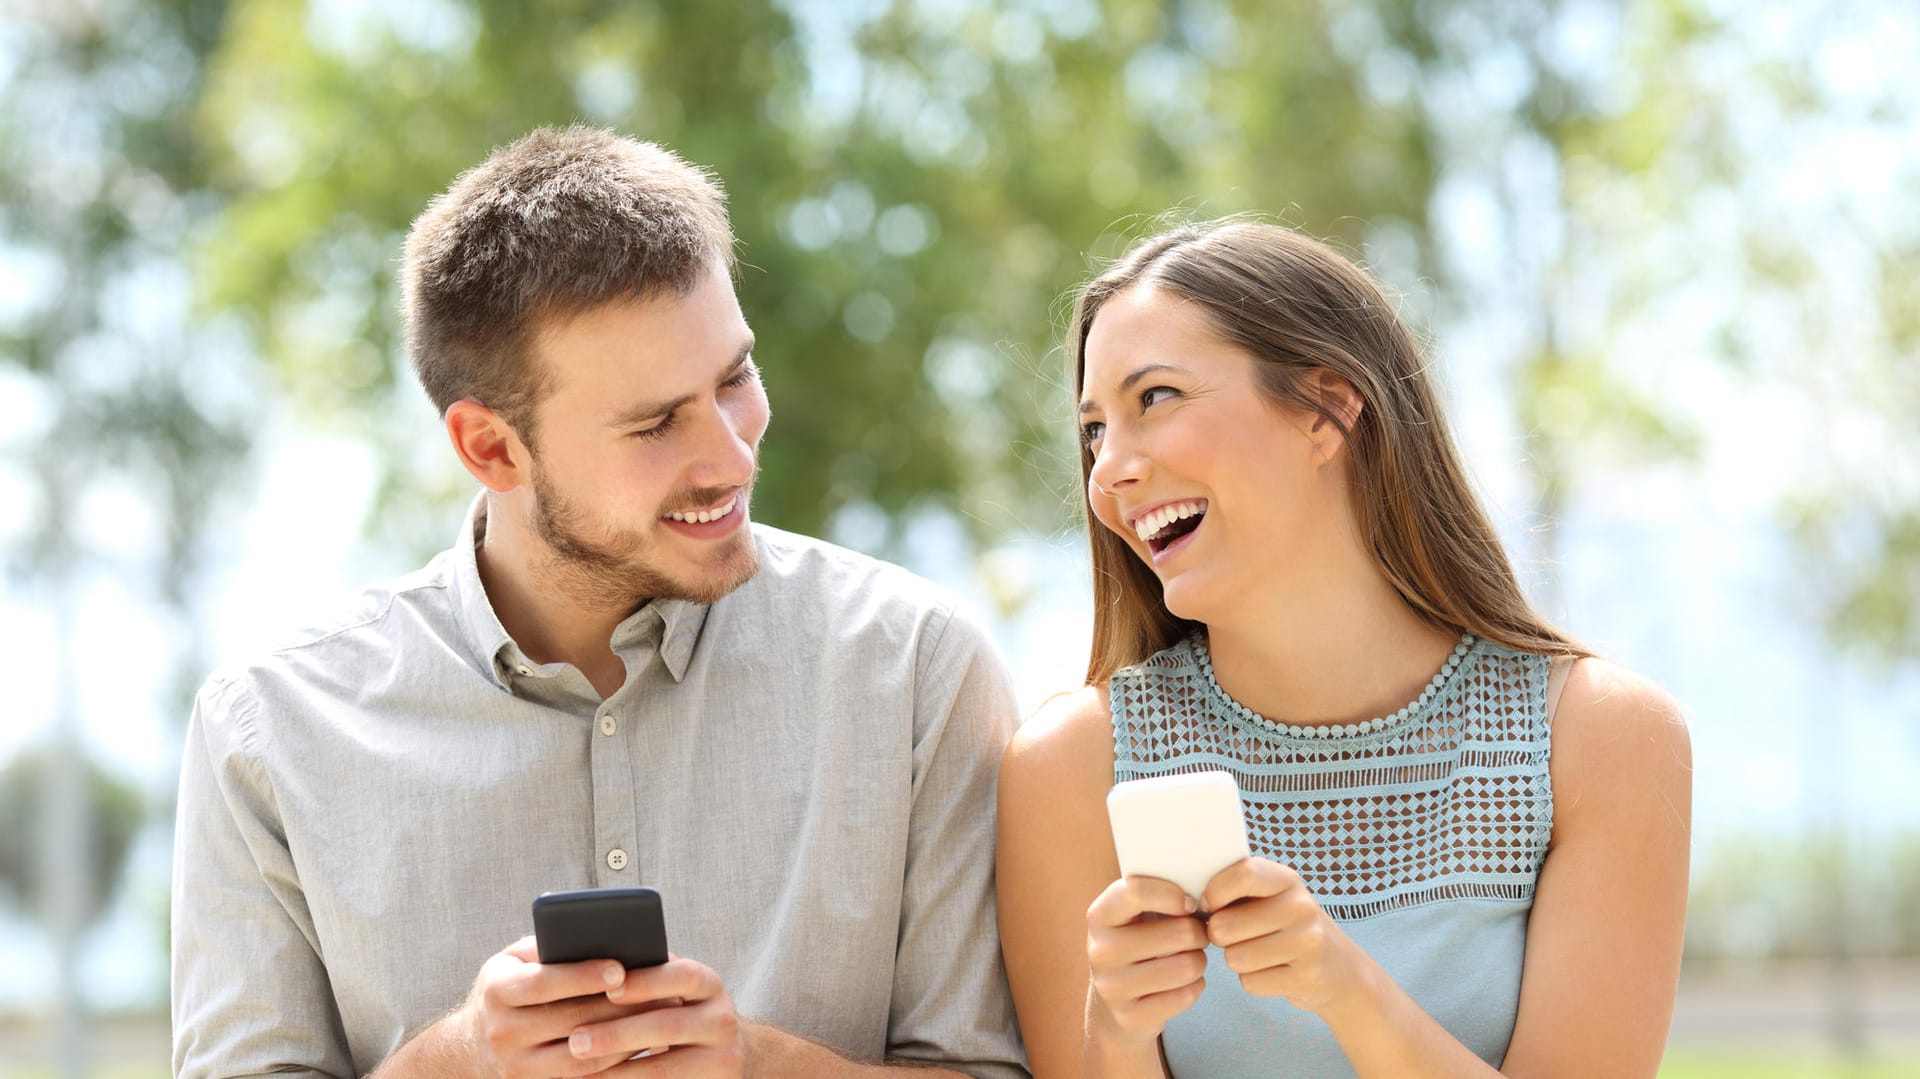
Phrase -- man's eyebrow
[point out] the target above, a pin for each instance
(1127, 382)
(653, 410)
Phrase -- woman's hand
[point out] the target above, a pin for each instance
(1146, 959)
(1273, 934)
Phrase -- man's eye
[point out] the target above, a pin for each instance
(658, 430)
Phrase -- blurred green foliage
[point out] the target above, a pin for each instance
(117, 813)
(914, 188)
(916, 185)
(1805, 896)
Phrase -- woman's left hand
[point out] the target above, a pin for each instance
(1278, 940)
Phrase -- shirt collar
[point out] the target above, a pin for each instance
(679, 625)
(679, 621)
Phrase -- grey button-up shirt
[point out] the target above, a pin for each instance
(805, 769)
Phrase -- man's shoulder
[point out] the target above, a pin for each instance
(359, 626)
(801, 568)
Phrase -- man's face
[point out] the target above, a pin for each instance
(647, 448)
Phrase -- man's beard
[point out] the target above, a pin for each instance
(614, 572)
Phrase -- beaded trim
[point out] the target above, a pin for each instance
(1203, 657)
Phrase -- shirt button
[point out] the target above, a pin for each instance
(525, 670)
(608, 725)
(616, 859)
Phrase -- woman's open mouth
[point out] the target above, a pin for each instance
(1169, 528)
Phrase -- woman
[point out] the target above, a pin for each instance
(1470, 835)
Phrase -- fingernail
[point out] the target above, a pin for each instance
(617, 992)
(1191, 905)
(613, 975)
(580, 1043)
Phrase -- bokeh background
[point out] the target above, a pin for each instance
(1666, 254)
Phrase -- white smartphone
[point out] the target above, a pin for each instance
(1182, 828)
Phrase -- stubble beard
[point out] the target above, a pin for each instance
(615, 572)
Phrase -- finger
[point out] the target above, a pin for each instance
(1155, 1010)
(522, 985)
(691, 1062)
(1289, 911)
(1262, 953)
(1110, 946)
(685, 980)
(1248, 878)
(708, 1023)
(1144, 979)
(1128, 898)
(526, 949)
(541, 1024)
(557, 1059)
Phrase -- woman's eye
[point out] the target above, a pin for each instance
(1090, 433)
(748, 372)
(1157, 394)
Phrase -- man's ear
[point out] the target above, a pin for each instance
(1338, 397)
(488, 446)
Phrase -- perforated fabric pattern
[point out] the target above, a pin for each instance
(1447, 798)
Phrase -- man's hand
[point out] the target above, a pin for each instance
(684, 1017)
(520, 1015)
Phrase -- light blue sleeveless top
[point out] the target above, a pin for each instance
(1421, 833)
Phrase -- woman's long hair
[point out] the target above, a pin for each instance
(1296, 306)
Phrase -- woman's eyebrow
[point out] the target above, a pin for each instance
(1126, 383)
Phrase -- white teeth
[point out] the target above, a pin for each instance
(703, 516)
(1152, 523)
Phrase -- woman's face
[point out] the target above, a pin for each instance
(1209, 481)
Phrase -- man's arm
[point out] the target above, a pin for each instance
(773, 1053)
(250, 994)
(951, 1005)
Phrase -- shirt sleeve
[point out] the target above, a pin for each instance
(951, 1005)
(250, 993)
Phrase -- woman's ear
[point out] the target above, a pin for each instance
(1337, 397)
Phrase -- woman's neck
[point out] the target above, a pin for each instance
(1325, 648)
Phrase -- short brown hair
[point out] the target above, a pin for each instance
(554, 224)
(1296, 306)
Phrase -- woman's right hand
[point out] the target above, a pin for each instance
(1146, 959)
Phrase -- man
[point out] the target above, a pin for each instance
(610, 679)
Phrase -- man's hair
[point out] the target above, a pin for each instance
(550, 226)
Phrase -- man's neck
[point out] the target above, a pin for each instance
(546, 622)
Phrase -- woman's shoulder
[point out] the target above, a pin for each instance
(1604, 701)
(1617, 736)
(1067, 729)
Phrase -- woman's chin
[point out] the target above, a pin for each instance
(1183, 600)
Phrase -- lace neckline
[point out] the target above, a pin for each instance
(1370, 729)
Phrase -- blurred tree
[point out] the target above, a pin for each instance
(118, 812)
(1741, 198)
(121, 442)
(914, 187)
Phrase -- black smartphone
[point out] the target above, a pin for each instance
(622, 924)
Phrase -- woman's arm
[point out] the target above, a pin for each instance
(1059, 895)
(1603, 943)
